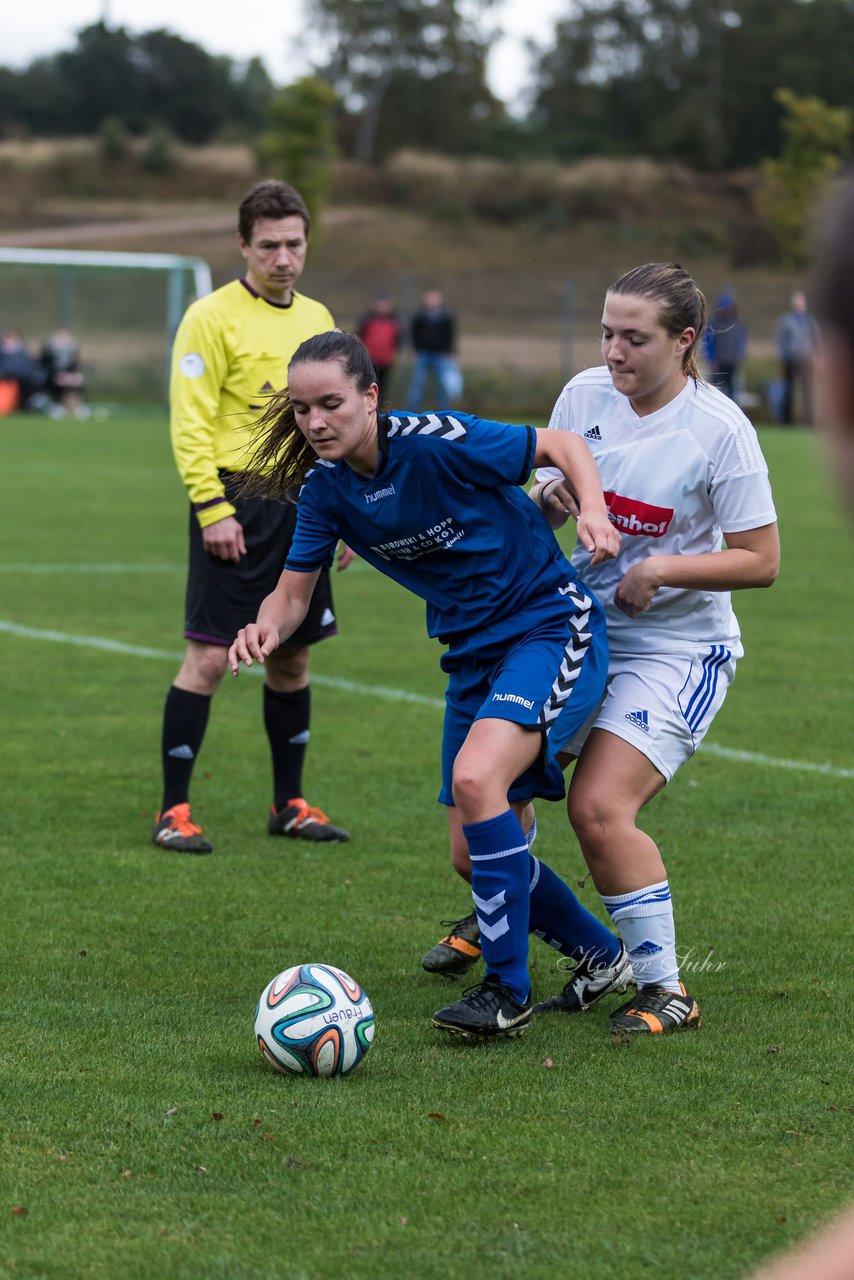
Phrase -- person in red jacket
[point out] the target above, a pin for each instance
(379, 329)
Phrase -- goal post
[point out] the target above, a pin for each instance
(123, 309)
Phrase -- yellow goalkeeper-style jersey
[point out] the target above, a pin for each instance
(231, 353)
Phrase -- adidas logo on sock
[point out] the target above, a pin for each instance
(593, 434)
(647, 948)
(183, 752)
(639, 718)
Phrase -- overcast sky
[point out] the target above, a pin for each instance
(255, 27)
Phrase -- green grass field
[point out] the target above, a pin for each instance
(141, 1130)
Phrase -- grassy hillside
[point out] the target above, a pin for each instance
(523, 252)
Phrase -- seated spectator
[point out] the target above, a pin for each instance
(20, 373)
(66, 383)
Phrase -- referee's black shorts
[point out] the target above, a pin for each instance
(223, 596)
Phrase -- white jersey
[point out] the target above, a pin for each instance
(673, 481)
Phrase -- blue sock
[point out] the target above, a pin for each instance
(561, 921)
(499, 885)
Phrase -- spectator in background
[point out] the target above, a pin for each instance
(797, 344)
(60, 359)
(22, 371)
(379, 329)
(725, 346)
(433, 335)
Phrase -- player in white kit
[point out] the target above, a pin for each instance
(687, 486)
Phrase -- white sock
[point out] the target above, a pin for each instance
(644, 920)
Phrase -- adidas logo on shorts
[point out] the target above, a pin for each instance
(640, 719)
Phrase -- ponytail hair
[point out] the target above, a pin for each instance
(282, 456)
(680, 303)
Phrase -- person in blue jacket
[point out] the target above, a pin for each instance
(725, 345)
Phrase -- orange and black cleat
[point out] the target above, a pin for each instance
(299, 819)
(458, 951)
(655, 1011)
(174, 829)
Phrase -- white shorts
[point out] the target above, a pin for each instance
(663, 703)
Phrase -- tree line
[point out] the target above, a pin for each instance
(672, 79)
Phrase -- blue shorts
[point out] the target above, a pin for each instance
(549, 678)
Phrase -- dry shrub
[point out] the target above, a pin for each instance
(36, 169)
(356, 183)
(547, 192)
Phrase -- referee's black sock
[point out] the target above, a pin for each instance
(286, 719)
(185, 718)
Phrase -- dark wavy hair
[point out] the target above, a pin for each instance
(270, 199)
(680, 303)
(281, 456)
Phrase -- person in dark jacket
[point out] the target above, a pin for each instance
(433, 335)
(725, 345)
(797, 344)
(20, 368)
(60, 359)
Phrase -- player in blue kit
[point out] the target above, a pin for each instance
(433, 501)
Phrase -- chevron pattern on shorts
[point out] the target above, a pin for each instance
(573, 656)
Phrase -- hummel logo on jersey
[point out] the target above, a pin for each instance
(640, 719)
(593, 434)
(183, 752)
(646, 948)
(513, 697)
(379, 493)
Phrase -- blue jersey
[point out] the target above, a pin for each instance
(444, 516)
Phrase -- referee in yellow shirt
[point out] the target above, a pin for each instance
(231, 353)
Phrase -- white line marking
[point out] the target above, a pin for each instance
(166, 655)
(108, 568)
(755, 757)
(392, 695)
(92, 568)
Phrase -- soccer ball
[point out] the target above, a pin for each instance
(314, 1020)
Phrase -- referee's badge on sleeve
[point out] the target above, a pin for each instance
(192, 365)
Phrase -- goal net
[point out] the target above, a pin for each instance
(123, 309)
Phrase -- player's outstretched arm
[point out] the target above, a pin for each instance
(582, 489)
(750, 558)
(279, 616)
